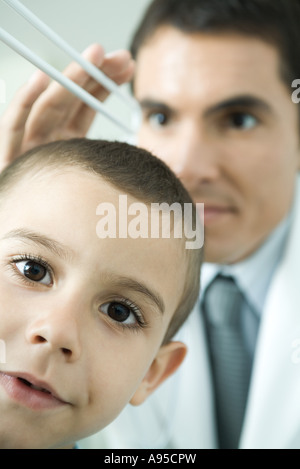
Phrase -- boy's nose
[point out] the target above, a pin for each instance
(56, 331)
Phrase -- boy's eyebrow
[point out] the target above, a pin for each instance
(41, 240)
(136, 286)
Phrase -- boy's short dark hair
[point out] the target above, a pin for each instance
(128, 168)
(274, 21)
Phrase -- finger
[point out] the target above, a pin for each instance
(60, 114)
(84, 115)
(76, 118)
(118, 67)
(61, 97)
(13, 122)
(116, 62)
(57, 104)
(16, 114)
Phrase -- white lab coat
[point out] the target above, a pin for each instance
(180, 414)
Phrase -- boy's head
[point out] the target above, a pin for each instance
(86, 319)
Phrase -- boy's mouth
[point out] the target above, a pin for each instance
(33, 386)
(29, 392)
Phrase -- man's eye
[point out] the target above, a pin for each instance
(122, 313)
(158, 119)
(242, 120)
(34, 271)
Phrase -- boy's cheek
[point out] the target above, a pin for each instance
(12, 309)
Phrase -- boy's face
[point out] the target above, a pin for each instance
(217, 111)
(80, 316)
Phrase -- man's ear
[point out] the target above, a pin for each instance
(166, 362)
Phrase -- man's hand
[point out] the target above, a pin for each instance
(41, 112)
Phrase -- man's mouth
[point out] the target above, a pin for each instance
(215, 213)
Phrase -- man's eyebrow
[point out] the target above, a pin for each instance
(248, 102)
(136, 286)
(243, 101)
(41, 240)
(148, 104)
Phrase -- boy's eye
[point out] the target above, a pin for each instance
(34, 271)
(119, 313)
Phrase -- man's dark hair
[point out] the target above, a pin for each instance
(274, 21)
(130, 169)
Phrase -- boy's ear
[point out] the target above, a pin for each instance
(166, 362)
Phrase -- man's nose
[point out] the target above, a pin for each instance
(196, 160)
(56, 329)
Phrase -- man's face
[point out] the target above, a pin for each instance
(216, 110)
(80, 316)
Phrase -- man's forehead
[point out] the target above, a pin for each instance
(199, 53)
(208, 69)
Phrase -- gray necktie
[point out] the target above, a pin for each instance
(230, 361)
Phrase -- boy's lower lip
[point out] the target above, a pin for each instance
(27, 396)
